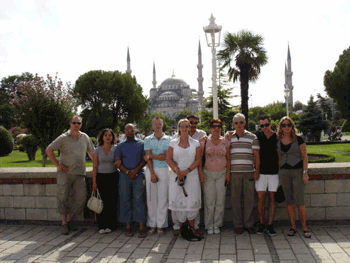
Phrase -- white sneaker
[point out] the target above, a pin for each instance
(216, 230)
(108, 231)
(210, 231)
(102, 231)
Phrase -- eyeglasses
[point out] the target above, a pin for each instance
(216, 126)
(127, 130)
(74, 122)
(184, 126)
(194, 122)
(265, 125)
(239, 122)
(286, 125)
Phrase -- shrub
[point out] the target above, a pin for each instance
(321, 158)
(21, 148)
(94, 140)
(346, 126)
(31, 145)
(6, 142)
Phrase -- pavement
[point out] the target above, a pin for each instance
(330, 242)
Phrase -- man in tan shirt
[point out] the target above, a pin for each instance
(71, 187)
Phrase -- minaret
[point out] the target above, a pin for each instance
(200, 76)
(128, 63)
(288, 78)
(154, 82)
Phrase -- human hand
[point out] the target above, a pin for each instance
(305, 178)
(63, 168)
(228, 178)
(94, 185)
(227, 135)
(202, 177)
(256, 176)
(154, 178)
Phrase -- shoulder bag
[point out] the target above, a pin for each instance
(95, 203)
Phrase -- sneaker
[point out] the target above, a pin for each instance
(270, 230)
(210, 231)
(261, 229)
(102, 231)
(65, 229)
(107, 230)
(216, 230)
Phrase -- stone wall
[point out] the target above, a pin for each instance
(30, 194)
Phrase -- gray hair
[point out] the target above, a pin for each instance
(78, 117)
(238, 116)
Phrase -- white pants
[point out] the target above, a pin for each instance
(267, 182)
(183, 216)
(157, 198)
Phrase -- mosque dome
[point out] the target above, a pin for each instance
(193, 102)
(173, 81)
(169, 95)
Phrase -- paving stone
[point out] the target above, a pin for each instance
(261, 249)
(224, 258)
(153, 258)
(128, 248)
(300, 248)
(101, 260)
(212, 254)
(28, 258)
(339, 258)
(333, 248)
(178, 253)
(77, 252)
(140, 252)
(87, 256)
(245, 254)
(170, 260)
(244, 245)
(56, 256)
(192, 258)
(18, 255)
(116, 244)
(98, 247)
(305, 258)
(286, 254)
(263, 258)
(159, 248)
(108, 252)
(119, 258)
(68, 259)
(227, 249)
(135, 260)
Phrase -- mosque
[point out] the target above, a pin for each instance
(174, 95)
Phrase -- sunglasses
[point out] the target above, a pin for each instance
(194, 122)
(127, 130)
(216, 126)
(74, 122)
(239, 122)
(184, 126)
(265, 125)
(286, 125)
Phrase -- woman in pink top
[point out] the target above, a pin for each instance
(214, 176)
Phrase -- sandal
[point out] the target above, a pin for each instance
(128, 232)
(142, 233)
(151, 231)
(160, 232)
(291, 232)
(307, 234)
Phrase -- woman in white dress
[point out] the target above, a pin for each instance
(183, 157)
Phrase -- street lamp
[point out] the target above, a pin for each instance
(212, 35)
(286, 96)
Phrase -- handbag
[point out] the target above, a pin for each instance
(95, 203)
(187, 233)
(279, 195)
(203, 156)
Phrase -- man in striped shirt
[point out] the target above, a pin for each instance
(245, 165)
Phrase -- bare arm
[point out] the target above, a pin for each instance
(257, 164)
(50, 153)
(200, 166)
(228, 164)
(154, 177)
(169, 159)
(303, 152)
(94, 171)
(91, 154)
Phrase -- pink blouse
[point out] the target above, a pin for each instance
(215, 156)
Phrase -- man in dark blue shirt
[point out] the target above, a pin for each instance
(129, 159)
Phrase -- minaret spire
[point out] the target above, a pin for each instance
(128, 63)
(154, 82)
(200, 76)
(288, 77)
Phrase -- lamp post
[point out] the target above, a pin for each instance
(286, 96)
(212, 35)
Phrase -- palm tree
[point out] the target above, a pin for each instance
(243, 55)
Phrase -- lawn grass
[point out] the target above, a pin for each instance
(20, 159)
(340, 151)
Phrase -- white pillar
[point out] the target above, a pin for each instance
(215, 90)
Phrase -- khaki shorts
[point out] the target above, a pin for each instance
(293, 187)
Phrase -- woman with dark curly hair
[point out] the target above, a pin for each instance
(106, 178)
(293, 171)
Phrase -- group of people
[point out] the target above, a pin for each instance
(179, 171)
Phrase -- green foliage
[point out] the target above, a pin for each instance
(312, 122)
(243, 55)
(30, 144)
(45, 106)
(251, 125)
(112, 91)
(14, 131)
(321, 158)
(346, 126)
(6, 142)
(298, 105)
(21, 148)
(145, 123)
(94, 140)
(182, 115)
(337, 83)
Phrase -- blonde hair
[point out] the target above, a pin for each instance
(280, 131)
(178, 126)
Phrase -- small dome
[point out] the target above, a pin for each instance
(193, 102)
(169, 94)
(173, 81)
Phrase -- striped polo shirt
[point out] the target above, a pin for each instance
(241, 151)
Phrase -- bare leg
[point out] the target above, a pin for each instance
(127, 225)
(64, 219)
(302, 215)
(142, 226)
(272, 207)
(261, 206)
(70, 218)
(291, 212)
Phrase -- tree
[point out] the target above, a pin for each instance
(6, 142)
(312, 122)
(298, 105)
(120, 93)
(45, 107)
(145, 123)
(243, 56)
(337, 83)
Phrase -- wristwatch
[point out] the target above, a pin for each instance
(127, 172)
(305, 172)
(189, 169)
(148, 157)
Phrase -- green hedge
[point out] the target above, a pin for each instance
(326, 158)
(6, 142)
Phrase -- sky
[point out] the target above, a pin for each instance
(73, 37)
